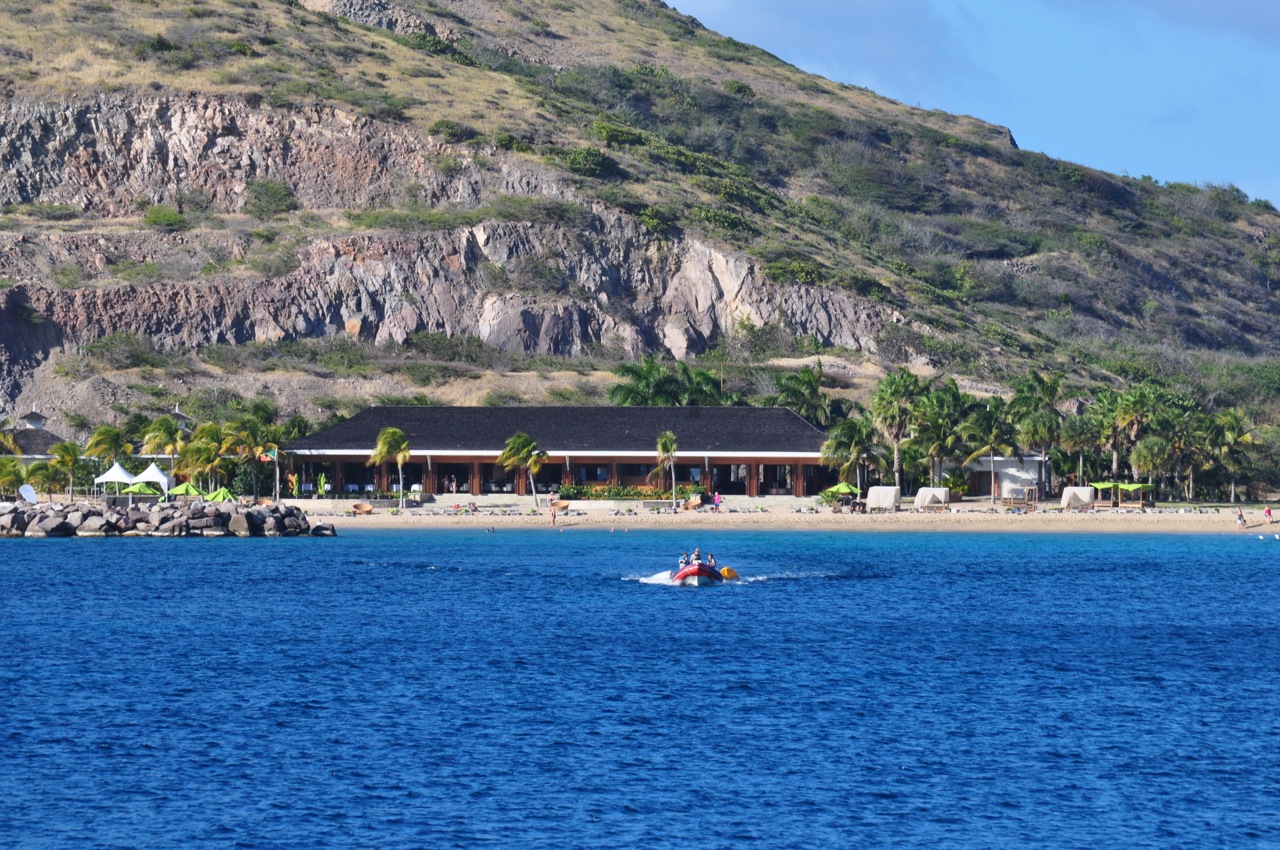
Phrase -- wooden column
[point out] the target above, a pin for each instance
(475, 478)
(338, 478)
(753, 480)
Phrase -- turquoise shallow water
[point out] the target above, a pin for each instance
(526, 689)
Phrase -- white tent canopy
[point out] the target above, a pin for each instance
(883, 498)
(154, 475)
(1077, 497)
(927, 497)
(117, 474)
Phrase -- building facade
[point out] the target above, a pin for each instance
(734, 450)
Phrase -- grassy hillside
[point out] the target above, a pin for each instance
(1000, 258)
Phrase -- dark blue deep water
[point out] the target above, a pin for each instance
(524, 689)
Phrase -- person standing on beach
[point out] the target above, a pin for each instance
(1267, 513)
(716, 502)
(553, 516)
(1240, 519)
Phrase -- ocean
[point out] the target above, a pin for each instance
(529, 689)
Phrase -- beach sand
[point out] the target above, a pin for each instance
(969, 517)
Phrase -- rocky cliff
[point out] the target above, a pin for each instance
(521, 285)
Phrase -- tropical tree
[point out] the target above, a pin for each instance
(253, 440)
(849, 445)
(644, 384)
(44, 477)
(204, 455)
(936, 419)
(392, 445)
(891, 409)
(108, 443)
(1232, 435)
(991, 433)
(9, 443)
(1135, 410)
(1078, 433)
(801, 392)
(666, 462)
(65, 459)
(164, 437)
(522, 453)
(11, 475)
(1111, 430)
(1151, 455)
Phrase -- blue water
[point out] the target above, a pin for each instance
(525, 689)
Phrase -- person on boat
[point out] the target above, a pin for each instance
(697, 556)
(684, 560)
(711, 561)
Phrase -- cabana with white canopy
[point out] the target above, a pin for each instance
(154, 475)
(117, 475)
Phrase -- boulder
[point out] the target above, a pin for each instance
(323, 529)
(240, 526)
(13, 523)
(95, 526)
(176, 527)
(51, 526)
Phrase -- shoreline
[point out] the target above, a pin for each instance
(1167, 521)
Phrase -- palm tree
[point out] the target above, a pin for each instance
(849, 444)
(1151, 455)
(801, 392)
(522, 453)
(11, 477)
(392, 445)
(66, 457)
(1034, 409)
(1112, 432)
(252, 439)
(164, 437)
(992, 434)
(666, 462)
(891, 408)
(644, 384)
(1077, 434)
(9, 443)
(204, 454)
(45, 477)
(1232, 435)
(936, 419)
(108, 443)
(1135, 410)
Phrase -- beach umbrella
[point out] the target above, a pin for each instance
(141, 488)
(222, 494)
(842, 489)
(186, 488)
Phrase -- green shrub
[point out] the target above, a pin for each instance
(454, 132)
(275, 263)
(798, 270)
(269, 198)
(615, 135)
(738, 88)
(721, 218)
(659, 221)
(50, 212)
(163, 217)
(68, 276)
(587, 162)
(124, 351)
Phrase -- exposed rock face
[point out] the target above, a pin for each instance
(617, 284)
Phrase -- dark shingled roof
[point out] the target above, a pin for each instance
(35, 441)
(569, 429)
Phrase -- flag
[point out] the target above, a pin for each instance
(269, 456)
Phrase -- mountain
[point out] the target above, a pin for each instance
(365, 197)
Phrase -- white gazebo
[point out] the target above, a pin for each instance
(117, 474)
(154, 475)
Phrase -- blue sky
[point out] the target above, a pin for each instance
(1182, 90)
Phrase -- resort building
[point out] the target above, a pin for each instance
(747, 451)
(33, 440)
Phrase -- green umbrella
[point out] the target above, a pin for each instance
(186, 488)
(842, 489)
(142, 488)
(222, 494)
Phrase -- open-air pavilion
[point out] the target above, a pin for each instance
(747, 451)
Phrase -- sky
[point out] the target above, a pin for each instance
(1180, 90)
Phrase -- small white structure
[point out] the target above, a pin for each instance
(884, 498)
(154, 475)
(1015, 477)
(932, 497)
(1077, 498)
(117, 474)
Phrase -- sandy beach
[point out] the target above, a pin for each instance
(781, 515)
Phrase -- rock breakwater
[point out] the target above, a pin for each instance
(186, 519)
